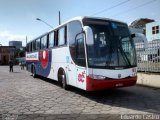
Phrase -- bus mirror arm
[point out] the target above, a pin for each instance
(133, 35)
(139, 37)
(78, 34)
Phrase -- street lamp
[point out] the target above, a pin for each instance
(44, 22)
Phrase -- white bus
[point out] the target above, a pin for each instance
(85, 52)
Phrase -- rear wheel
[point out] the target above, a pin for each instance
(34, 72)
(62, 79)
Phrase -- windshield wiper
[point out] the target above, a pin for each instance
(110, 56)
(124, 55)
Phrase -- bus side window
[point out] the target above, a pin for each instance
(47, 40)
(30, 47)
(27, 47)
(62, 36)
(38, 44)
(44, 42)
(51, 40)
(76, 43)
(56, 38)
(80, 51)
(65, 35)
(33, 46)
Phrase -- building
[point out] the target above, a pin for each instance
(17, 44)
(153, 31)
(6, 53)
(141, 23)
(153, 36)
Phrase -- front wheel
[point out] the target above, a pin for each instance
(62, 80)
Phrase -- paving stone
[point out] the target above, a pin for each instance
(22, 94)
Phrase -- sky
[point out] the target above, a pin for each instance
(18, 17)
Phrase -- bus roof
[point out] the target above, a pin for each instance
(79, 18)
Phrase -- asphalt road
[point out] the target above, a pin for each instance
(25, 97)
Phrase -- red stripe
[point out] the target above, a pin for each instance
(32, 60)
(93, 85)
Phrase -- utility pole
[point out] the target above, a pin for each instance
(26, 40)
(44, 22)
(59, 17)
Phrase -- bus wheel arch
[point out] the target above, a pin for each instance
(62, 78)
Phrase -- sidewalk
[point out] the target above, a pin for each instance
(149, 79)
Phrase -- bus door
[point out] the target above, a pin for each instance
(72, 71)
(81, 61)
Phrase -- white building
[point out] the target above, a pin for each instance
(152, 31)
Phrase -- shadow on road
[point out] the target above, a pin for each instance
(16, 72)
(135, 98)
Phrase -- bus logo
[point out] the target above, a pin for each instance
(119, 75)
(81, 77)
(44, 58)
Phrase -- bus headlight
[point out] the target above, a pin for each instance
(100, 77)
(134, 72)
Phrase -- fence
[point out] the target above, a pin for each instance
(148, 57)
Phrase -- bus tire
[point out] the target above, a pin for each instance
(34, 72)
(62, 79)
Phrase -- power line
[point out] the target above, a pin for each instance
(126, 11)
(110, 7)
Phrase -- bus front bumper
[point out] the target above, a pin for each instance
(94, 84)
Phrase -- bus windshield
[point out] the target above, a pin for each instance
(113, 46)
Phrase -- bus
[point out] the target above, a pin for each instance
(89, 53)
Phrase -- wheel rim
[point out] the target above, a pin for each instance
(33, 73)
(63, 81)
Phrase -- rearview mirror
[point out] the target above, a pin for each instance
(89, 35)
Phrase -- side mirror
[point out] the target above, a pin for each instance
(89, 35)
(140, 38)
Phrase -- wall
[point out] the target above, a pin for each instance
(152, 80)
(6, 53)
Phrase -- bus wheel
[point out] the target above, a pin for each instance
(62, 79)
(33, 72)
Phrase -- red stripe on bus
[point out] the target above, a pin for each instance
(93, 85)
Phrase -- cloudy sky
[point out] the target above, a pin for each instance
(18, 17)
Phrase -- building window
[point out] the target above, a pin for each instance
(155, 29)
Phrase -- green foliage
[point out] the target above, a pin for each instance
(19, 53)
